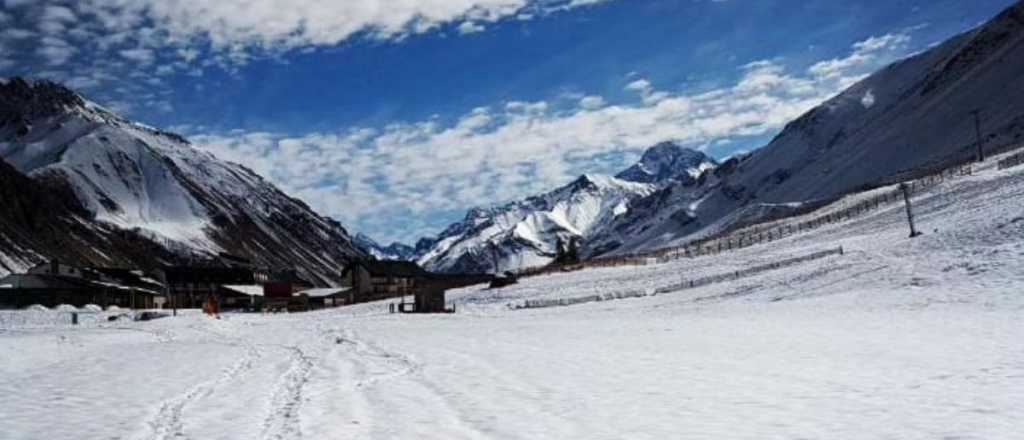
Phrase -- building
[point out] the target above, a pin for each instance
(430, 299)
(56, 268)
(326, 297)
(247, 297)
(373, 280)
(55, 283)
(188, 286)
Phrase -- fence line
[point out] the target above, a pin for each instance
(730, 276)
(683, 285)
(764, 233)
(1012, 161)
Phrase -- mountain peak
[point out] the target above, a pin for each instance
(665, 161)
(31, 97)
(394, 251)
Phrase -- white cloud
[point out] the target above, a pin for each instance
(869, 50)
(55, 50)
(646, 91)
(640, 85)
(141, 56)
(592, 102)
(16, 34)
(133, 38)
(11, 4)
(367, 177)
(469, 27)
(58, 13)
(288, 24)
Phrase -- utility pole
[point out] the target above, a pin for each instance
(910, 211)
(494, 256)
(977, 134)
(172, 299)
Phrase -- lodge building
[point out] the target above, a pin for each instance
(54, 283)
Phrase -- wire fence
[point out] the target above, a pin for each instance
(767, 232)
(684, 284)
(1012, 161)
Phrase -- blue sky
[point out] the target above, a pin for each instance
(396, 117)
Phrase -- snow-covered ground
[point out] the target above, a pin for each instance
(896, 339)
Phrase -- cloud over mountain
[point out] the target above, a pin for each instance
(382, 180)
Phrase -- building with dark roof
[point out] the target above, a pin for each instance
(22, 290)
(373, 280)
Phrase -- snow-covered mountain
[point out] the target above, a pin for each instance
(526, 233)
(137, 178)
(667, 161)
(909, 117)
(42, 219)
(394, 251)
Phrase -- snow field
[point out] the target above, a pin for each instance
(897, 338)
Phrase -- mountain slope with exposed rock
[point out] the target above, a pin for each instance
(129, 176)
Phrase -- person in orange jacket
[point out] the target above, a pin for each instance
(211, 307)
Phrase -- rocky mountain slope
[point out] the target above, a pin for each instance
(127, 176)
(918, 119)
(42, 219)
(526, 233)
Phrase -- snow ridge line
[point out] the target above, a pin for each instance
(684, 285)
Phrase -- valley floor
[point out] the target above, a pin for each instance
(895, 339)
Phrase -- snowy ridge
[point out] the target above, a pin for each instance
(526, 233)
(394, 251)
(140, 178)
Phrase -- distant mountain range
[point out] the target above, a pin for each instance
(84, 184)
(526, 233)
(115, 176)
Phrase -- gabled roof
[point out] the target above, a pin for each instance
(391, 268)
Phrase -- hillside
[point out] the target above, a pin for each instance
(128, 176)
(917, 120)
